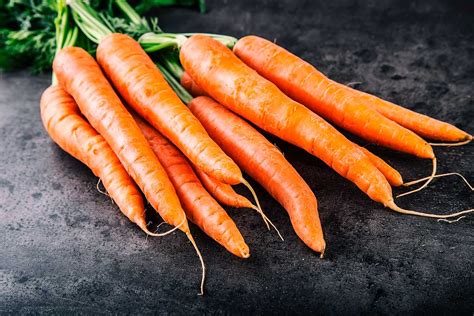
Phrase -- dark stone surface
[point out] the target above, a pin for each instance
(66, 248)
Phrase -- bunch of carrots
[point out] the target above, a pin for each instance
(179, 128)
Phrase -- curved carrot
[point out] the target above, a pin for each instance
(80, 76)
(392, 175)
(199, 206)
(188, 83)
(423, 125)
(265, 163)
(303, 83)
(141, 84)
(229, 81)
(224, 193)
(66, 126)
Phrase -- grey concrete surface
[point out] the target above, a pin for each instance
(65, 248)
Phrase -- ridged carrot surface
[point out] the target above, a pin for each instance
(303, 83)
(233, 84)
(81, 77)
(64, 123)
(199, 206)
(141, 84)
(265, 163)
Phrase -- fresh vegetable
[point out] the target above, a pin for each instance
(199, 206)
(228, 80)
(303, 83)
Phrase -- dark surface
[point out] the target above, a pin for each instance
(66, 248)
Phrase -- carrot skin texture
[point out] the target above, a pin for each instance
(422, 125)
(238, 87)
(81, 77)
(141, 84)
(266, 164)
(188, 83)
(393, 176)
(64, 123)
(303, 83)
(199, 206)
(223, 192)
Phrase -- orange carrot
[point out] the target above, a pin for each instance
(223, 192)
(265, 163)
(232, 83)
(392, 175)
(141, 84)
(423, 125)
(303, 83)
(66, 126)
(199, 206)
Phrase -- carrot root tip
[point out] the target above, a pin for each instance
(465, 142)
(429, 179)
(391, 204)
(203, 266)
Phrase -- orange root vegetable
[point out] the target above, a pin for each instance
(188, 83)
(141, 84)
(335, 102)
(66, 126)
(265, 163)
(199, 206)
(392, 175)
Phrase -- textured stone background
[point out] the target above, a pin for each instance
(65, 248)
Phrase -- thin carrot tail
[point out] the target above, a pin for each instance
(203, 266)
(258, 208)
(465, 142)
(429, 179)
(144, 227)
(440, 176)
(398, 209)
(266, 219)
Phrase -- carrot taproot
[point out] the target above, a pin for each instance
(79, 74)
(141, 84)
(64, 123)
(392, 175)
(303, 83)
(198, 204)
(241, 89)
(266, 164)
(223, 192)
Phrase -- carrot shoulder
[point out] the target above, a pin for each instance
(81, 77)
(232, 83)
(265, 163)
(66, 126)
(141, 84)
(199, 206)
(303, 83)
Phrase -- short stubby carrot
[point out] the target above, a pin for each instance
(392, 175)
(223, 192)
(81, 77)
(266, 164)
(141, 84)
(303, 83)
(64, 123)
(233, 84)
(421, 124)
(199, 206)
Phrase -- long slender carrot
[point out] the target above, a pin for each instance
(265, 163)
(228, 80)
(199, 206)
(141, 84)
(223, 192)
(392, 175)
(303, 83)
(66, 126)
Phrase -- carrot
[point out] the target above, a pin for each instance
(141, 84)
(232, 83)
(423, 125)
(63, 121)
(81, 77)
(199, 206)
(266, 164)
(303, 83)
(392, 175)
(223, 192)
